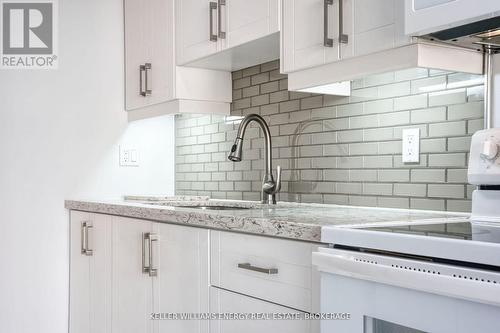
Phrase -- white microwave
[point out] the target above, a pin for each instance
(426, 16)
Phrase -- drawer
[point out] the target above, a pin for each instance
(223, 301)
(275, 270)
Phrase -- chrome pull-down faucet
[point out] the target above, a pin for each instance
(269, 186)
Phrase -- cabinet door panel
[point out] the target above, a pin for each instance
(250, 20)
(223, 301)
(183, 281)
(90, 275)
(132, 289)
(79, 305)
(373, 25)
(137, 49)
(100, 274)
(162, 50)
(193, 30)
(149, 30)
(303, 34)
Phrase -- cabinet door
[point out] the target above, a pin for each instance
(196, 29)
(303, 33)
(372, 25)
(182, 283)
(223, 301)
(132, 288)
(149, 55)
(90, 273)
(249, 20)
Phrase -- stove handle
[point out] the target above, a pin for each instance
(346, 265)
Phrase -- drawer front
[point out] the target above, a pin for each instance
(271, 269)
(223, 301)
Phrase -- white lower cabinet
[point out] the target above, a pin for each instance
(123, 270)
(132, 288)
(90, 275)
(265, 275)
(223, 301)
(136, 268)
(182, 284)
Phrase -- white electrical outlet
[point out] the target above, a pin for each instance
(129, 156)
(411, 145)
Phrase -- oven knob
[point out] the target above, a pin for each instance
(490, 150)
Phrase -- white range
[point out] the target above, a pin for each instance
(424, 276)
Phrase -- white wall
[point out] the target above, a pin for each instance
(59, 136)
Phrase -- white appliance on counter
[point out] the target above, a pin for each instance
(428, 276)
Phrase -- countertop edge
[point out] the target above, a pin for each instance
(256, 226)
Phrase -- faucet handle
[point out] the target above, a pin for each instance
(277, 188)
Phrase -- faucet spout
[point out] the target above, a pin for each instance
(269, 186)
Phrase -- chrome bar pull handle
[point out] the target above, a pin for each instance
(343, 38)
(222, 34)
(152, 270)
(85, 239)
(147, 254)
(144, 89)
(213, 6)
(250, 267)
(328, 42)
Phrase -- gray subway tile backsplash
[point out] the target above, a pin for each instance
(340, 150)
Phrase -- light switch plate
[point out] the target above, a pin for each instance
(411, 145)
(129, 156)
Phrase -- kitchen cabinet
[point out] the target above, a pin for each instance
(132, 286)
(125, 269)
(262, 273)
(211, 34)
(249, 20)
(90, 275)
(317, 32)
(182, 282)
(158, 268)
(197, 29)
(133, 268)
(152, 79)
(223, 301)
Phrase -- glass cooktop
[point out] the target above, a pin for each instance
(454, 230)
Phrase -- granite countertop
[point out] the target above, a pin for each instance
(298, 221)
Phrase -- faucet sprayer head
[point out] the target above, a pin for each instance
(236, 150)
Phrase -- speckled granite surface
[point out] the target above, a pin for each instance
(286, 220)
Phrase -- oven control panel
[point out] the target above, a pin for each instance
(484, 158)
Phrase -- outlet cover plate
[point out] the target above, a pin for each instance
(411, 145)
(129, 156)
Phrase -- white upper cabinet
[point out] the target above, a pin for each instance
(154, 83)
(197, 24)
(426, 16)
(373, 25)
(226, 34)
(309, 33)
(148, 53)
(317, 32)
(245, 20)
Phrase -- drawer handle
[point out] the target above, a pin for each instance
(249, 267)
